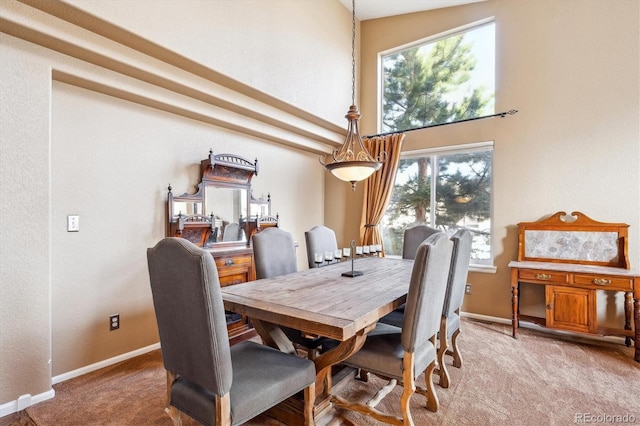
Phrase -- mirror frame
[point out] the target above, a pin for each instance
(218, 171)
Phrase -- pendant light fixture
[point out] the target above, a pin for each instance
(352, 162)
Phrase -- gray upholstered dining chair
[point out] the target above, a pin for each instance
(450, 322)
(319, 239)
(206, 378)
(231, 232)
(413, 237)
(404, 354)
(274, 254)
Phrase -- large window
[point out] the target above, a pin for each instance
(445, 189)
(447, 78)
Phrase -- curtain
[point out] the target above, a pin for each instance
(378, 187)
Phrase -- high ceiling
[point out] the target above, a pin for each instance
(372, 9)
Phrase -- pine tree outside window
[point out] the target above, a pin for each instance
(442, 80)
(446, 189)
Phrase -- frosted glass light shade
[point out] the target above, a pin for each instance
(353, 171)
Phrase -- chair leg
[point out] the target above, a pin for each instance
(173, 412)
(409, 386)
(363, 375)
(442, 350)
(432, 398)
(309, 402)
(223, 410)
(312, 354)
(457, 357)
(174, 415)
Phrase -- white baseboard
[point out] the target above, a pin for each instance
(25, 401)
(28, 400)
(485, 318)
(107, 362)
(532, 326)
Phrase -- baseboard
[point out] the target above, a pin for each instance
(107, 362)
(28, 400)
(532, 326)
(25, 401)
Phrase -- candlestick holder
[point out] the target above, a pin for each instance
(352, 273)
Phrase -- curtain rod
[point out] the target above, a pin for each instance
(500, 114)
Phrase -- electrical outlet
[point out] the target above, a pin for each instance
(467, 289)
(114, 322)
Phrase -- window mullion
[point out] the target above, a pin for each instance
(434, 179)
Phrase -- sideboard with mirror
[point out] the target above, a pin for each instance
(221, 216)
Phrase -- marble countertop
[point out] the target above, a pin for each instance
(575, 268)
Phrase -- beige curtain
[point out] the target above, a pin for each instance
(378, 187)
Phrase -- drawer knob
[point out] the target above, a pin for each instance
(550, 306)
(601, 281)
(545, 277)
(228, 262)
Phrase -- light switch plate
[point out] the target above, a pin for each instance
(73, 223)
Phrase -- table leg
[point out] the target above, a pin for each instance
(325, 361)
(273, 336)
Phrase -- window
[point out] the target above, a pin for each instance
(445, 189)
(447, 78)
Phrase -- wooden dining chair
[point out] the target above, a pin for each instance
(413, 237)
(401, 355)
(274, 254)
(206, 378)
(319, 239)
(231, 232)
(450, 321)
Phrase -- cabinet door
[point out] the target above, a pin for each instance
(572, 309)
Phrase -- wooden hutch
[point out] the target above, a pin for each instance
(221, 216)
(573, 257)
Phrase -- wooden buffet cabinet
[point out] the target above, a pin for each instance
(574, 257)
(235, 266)
(221, 216)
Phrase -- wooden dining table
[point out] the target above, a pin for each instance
(323, 302)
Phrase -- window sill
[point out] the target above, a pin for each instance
(485, 269)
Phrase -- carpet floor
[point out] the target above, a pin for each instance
(538, 379)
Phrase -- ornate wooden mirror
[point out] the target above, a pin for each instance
(217, 215)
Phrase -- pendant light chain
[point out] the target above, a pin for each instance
(352, 162)
(353, 52)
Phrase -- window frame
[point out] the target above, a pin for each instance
(426, 40)
(485, 266)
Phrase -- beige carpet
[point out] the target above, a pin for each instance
(538, 379)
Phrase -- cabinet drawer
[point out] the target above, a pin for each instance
(229, 263)
(535, 275)
(231, 279)
(604, 282)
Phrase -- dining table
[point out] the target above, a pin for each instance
(326, 301)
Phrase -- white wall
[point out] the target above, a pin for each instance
(97, 121)
(90, 125)
(572, 70)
